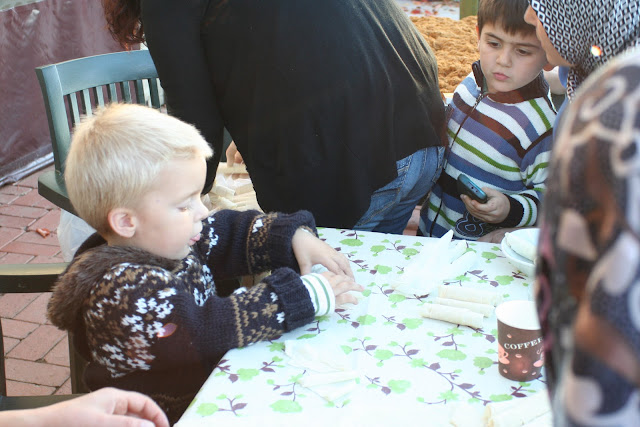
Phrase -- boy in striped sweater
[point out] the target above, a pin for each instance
(499, 127)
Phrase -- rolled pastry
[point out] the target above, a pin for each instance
(521, 246)
(460, 316)
(518, 412)
(485, 309)
(480, 296)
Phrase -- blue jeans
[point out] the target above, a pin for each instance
(392, 205)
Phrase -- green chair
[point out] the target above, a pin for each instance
(75, 88)
(35, 278)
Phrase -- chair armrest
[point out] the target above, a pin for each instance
(52, 187)
(29, 278)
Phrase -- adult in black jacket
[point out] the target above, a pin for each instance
(325, 100)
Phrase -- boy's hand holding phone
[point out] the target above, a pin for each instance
(494, 211)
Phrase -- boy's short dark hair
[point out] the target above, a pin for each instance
(509, 14)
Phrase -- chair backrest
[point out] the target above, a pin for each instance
(77, 87)
(35, 278)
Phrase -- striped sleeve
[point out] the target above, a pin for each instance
(321, 293)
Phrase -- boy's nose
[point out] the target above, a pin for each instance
(504, 58)
(201, 210)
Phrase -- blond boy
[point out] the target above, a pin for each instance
(142, 296)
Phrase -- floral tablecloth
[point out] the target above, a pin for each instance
(409, 368)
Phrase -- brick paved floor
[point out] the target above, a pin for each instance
(37, 355)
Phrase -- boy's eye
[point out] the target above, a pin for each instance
(185, 208)
(493, 44)
(523, 52)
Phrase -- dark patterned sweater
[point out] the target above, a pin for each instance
(159, 326)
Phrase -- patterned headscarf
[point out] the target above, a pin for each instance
(588, 33)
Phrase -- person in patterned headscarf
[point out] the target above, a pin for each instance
(579, 36)
(582, 35)
(588, 283)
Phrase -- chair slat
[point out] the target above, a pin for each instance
(75, 111)
(86, 103)
(98, 93)
(126, 92)
(138, 86)
(154, 89)
(113, 92)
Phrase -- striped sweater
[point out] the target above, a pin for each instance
(501, 141)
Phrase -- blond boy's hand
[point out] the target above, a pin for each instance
(494, 211)
(309, 250)
(341, 285)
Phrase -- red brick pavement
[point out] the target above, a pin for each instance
(36, 352)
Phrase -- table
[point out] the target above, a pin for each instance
(410, 368)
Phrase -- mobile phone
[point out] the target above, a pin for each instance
(466, 186)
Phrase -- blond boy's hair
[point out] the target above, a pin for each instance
(116, 155)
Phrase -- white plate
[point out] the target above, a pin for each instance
(521, 263)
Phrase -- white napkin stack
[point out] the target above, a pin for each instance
(433, 265)
(329, 370)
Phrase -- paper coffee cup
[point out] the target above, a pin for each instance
(520, 350)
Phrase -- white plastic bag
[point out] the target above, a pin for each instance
(72, 232)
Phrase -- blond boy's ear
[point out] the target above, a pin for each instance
(122, 222)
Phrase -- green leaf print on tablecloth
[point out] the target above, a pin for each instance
(504, 280)
(482, 363)
(286, 406)
(351, 242)
(489, 256)
(276, 346)
(376, 249)
(382, 269)
(455, 355)
(247, 374)
(393, 386)
(367, 319)
(206, 409)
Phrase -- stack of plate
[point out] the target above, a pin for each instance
(520, 247)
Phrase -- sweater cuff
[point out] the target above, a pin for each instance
(514, 217)
(293, 297)
(322, 297)
(280, 234)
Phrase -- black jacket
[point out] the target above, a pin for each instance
(321, 97)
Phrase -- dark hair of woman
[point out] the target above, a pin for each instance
(123, 21)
